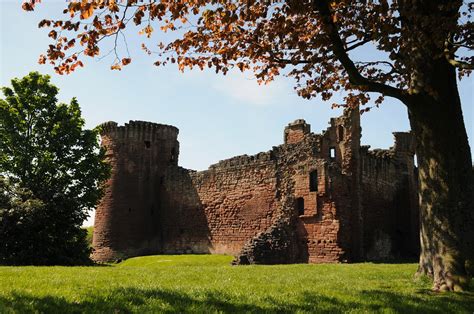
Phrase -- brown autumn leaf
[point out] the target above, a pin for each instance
(116, 66)
(42, 59)
(53, 34)
(86, 11)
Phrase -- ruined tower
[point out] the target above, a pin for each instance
(128, 218)
(327, 188)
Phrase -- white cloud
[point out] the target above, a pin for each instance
(243, 88)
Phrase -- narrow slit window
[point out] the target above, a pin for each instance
(300, 205)
(147, 144)
(313, 181)
(332, 152)
(173, 154)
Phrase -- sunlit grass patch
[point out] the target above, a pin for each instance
(207, 283)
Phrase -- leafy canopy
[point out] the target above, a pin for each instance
(314, 41)
(52, 172)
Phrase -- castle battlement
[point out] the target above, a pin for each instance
(243, 160)
(139, 130)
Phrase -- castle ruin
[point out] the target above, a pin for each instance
(316, 198)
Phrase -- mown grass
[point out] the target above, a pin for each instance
(207, 283)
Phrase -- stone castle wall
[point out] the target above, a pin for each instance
(337, 193)
(389, 186)
(127, 218)
(228, 204)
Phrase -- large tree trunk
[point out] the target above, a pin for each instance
(446, 182)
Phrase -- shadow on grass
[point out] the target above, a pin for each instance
(128, 300)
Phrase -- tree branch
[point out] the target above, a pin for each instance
(451, 57)
(360, 43)
(460, 64)
(340, 52)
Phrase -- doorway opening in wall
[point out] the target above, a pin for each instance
(313, 181)
(300, 205)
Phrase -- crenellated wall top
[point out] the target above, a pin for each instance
(139, 130)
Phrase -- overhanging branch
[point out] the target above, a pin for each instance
(461, 64)
(355, 77)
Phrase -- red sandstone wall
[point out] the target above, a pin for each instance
(331, 224)
(325, 228)
(184, 225)
(238, 197)
(390, 205)
(319, 228)
(379, 186)
(127, 219)
(296, 131)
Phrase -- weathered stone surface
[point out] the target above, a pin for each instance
(279, 244)
(316, 198)
(127, 219)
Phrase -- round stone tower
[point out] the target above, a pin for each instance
(127, 219)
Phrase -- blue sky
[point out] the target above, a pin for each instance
(218, 116)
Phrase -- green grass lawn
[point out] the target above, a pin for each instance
(206, 283)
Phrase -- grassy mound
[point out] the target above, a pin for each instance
(207, 283)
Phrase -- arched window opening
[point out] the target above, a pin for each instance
(300, 205)
(313, 181)
(332, 152)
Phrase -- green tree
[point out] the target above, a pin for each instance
(52, 172)
(421, 47)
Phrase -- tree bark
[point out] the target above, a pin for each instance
(446, 181)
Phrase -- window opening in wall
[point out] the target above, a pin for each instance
(147, 144)
(332, 152)
(173, 153)
(313, 181)
(129, 210)
(300, 205)
(152, 209)
(415, 160)
(162, 180)
(340, 133)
